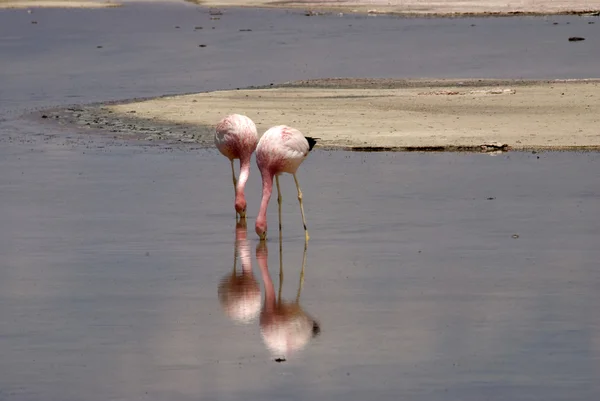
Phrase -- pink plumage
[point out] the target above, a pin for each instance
(280, 150)
(236, 138)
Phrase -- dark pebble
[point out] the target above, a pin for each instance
(201, 45)
(576, 39)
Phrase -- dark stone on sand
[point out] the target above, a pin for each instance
(576, 39)
(201, 45)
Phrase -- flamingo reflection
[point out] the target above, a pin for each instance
(239, 294)
(285, 327)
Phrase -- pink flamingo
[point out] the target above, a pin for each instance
(280, 150)
(236, 138)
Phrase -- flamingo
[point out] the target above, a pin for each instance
(236, 138)
(281, 149)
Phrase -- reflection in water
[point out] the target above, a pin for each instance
(285, 327)
(239, 294)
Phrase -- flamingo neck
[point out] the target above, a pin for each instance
(261, 219)
(240, 198)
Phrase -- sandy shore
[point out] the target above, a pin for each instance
(382, 114)
(57, 4)
(399, 7)
(425, 7)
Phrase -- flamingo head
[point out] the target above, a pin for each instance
(261, 228)
(240, 204)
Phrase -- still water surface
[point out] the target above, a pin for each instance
(429, 276)
(112, 258)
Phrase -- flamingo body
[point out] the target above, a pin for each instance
(281, 149)
(236, 138)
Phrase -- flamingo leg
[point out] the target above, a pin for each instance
(301, 284)
(234, 185)
(280, 268)
(279, 200)
(233, 175)
(306, 236)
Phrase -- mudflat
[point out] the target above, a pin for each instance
(375, 114)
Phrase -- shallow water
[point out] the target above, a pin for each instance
(431, 276)
(112, 258)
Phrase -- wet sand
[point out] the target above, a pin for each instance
(384, 114)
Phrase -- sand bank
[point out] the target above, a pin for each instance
(381, 114)
(425, 8)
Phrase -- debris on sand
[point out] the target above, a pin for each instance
(495, 91)
(576, 39)
(494, 146)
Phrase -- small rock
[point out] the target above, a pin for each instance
(245, 30)
(196, 28)
(201, 45)
(591, 22)
(491, 198)
(34, 22)
(44, 116)
(176, 26)
(98, 47)
(515, 236)
(576, 39)
(555, 23)
(279, 360)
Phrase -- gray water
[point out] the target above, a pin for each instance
(431, 276)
